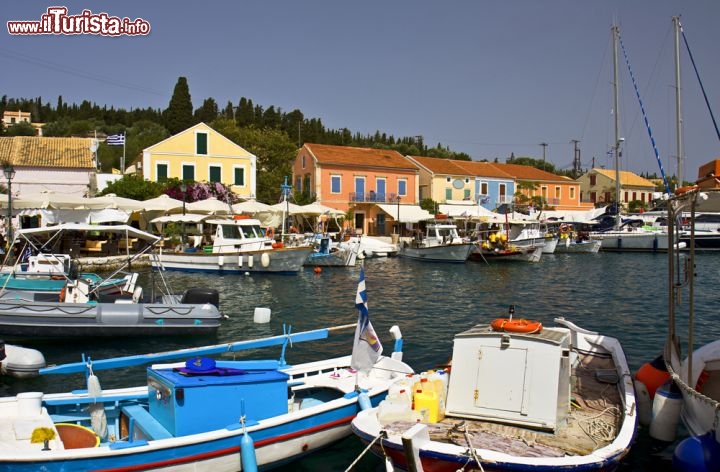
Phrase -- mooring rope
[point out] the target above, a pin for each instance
(382, 435)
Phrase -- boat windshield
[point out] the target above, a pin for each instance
(241, 232)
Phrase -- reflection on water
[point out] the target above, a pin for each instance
(621, 295)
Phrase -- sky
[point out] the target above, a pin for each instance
(488, 78)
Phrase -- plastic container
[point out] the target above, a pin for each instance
(396, 407)
(666, 412)
(427, 403)
(29, 404)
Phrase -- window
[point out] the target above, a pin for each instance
(335, 184)
(201, 144)
(188, 172)
(593, 179)
(215, 174)
(484, 188)
(449, 179)
(448, 194)
(162, 172)
(380, 189)
(298, 183)
(557, 192)
(402, 187)
(302, 159)
(239, 176)
(466, 194)
(572, 193)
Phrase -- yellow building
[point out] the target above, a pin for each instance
(202, 154)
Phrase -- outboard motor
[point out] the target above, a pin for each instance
(200, 296)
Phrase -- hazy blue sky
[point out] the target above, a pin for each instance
(483, 77)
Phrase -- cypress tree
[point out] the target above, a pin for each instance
(179, 113)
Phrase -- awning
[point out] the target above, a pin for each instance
(408, 213)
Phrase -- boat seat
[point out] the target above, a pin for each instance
(140, 418)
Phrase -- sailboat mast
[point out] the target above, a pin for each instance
(678, 113)
(616, 106)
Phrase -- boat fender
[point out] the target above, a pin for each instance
(644, 403)
(653, 374)
(364, 401)
(247, 453)
(697, 454)
(63, 291)
(666, 412)
(265, 259)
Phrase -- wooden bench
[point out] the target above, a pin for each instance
(140, 418)
(93, 246)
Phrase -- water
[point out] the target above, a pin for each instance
(621, 295)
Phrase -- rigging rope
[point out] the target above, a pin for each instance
(647, 123)
(697, 74)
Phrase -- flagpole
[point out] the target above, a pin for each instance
(122, 162)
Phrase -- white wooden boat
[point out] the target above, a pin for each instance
(239, 245)
(329, 253)
(440, 243)
(199, 413)
(542, 399)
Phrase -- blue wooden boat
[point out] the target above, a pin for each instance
(198, 413)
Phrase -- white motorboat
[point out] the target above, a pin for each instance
(440, 243)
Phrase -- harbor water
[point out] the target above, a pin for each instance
(620, 295)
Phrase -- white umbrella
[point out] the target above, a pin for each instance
(162, 203)
(250, 206)
(288, 207)
(316, 209)
(119, 203)
(211, 206)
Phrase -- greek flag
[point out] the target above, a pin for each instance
(115, 140)
(366, 347)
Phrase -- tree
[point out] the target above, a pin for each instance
(208, 112)
(21, 128)
(133, 186)
(178, 116)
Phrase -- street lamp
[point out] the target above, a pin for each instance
(183, 189)
(398, 214)
(9, 175)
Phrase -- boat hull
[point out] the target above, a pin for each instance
(23, 319)
(281, 260)
(567, 246)
(456, 253)
(618, 241)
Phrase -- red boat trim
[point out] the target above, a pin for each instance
(231, 450)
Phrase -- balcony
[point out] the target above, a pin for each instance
(372, 197)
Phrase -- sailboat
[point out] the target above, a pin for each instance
(698, 374)
(625, 238)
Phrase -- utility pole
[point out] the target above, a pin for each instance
(576, 158)
(544, 146)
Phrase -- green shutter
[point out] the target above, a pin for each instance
(239, 176)
(188, 173)
(201, 143)
(162, 172)
(215, 174)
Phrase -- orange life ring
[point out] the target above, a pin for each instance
(62, 294)
(270, 233)
(519, 325)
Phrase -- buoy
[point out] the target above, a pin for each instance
(262, 315)
(653, 374)
(317, 270)
(697, 454)
(644, 403)
(364, 401)
(666, 412)
(265, 259)
(247, 453)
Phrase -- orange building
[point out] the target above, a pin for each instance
(376, 185)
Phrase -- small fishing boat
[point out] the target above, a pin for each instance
(520, 397)
(200, 413)
(328, 253)
(440, 243)
(84, 307)
(487, 251)
(239, 245)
